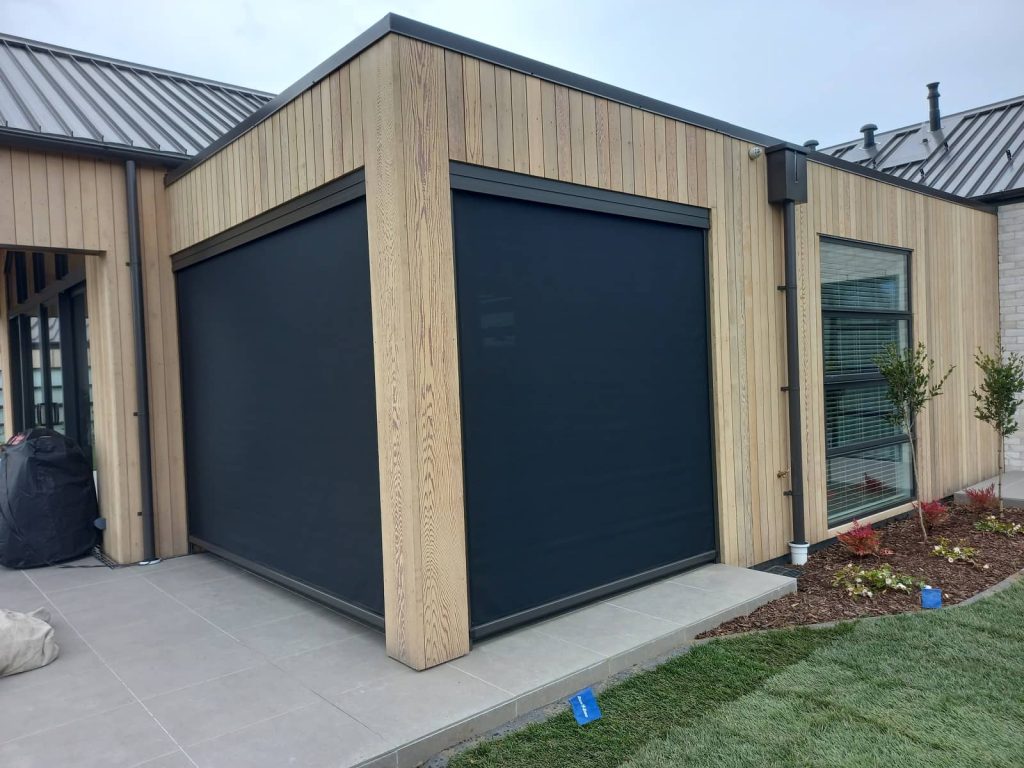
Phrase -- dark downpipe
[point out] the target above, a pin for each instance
(787, 185)
(141, 363)
(796, 447)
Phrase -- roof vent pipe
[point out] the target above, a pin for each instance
(812, 145)
(869, 134)
(934, 118)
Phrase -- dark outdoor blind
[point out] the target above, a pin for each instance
(586, 408)
(865, 307)
(279, 406)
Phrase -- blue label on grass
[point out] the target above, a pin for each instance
(584, 706)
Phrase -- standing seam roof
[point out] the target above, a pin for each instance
(48, 91)
(977, 153)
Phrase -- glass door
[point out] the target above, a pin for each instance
(48, 328)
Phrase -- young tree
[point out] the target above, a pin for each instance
(908, 372)
(998, 398)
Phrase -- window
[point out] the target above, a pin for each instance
(865, 306)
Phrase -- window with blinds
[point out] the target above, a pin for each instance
(865, 304)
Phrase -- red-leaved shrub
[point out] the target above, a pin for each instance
(935, 513)
(861, 540)
(982, 499)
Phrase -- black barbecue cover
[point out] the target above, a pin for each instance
(48, 504)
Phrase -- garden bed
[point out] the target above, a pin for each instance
(817, 600)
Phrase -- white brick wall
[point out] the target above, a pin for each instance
(1011, 305)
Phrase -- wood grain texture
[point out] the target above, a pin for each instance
(576, 137)
(312, 140)
(412, 280)
(79, 204)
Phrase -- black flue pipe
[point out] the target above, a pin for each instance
(934, 116)
(796, 448)
(141, 364)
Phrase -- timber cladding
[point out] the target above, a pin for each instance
(510, 120)
(314, 139)
(403, 109)
(52, 202)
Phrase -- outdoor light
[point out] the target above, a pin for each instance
(754, 152)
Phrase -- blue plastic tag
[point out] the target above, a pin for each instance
(584, 706)
(931, 597)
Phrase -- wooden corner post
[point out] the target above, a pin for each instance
(415, 340)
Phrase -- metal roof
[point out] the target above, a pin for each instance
(978, 153)
(80, 100)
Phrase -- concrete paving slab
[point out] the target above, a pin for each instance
(201, 664)
(1013, 489)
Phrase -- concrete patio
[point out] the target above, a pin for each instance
(194, 662)
(1013, 489)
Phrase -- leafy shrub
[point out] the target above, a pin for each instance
(993, 524)
(935, 513)
(982, 499)
(861, 540)
(867, 582)
(954, 553)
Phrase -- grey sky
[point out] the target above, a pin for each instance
(795, 70)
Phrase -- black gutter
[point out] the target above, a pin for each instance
(1003, 198)
(141, 364)
(69, 145)
(787, 184)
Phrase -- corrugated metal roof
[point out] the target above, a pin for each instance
(47, 91)
(977, 153)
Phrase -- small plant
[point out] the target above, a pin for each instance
(867, 582)
(935, 513)
(998, 398)
(954, 553)
(908, 374)
(982, 499)
(861, 540)
(993, 524)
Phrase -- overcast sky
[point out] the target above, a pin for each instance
(794, 70)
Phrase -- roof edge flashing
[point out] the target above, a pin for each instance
(392, 23)
(322, 70)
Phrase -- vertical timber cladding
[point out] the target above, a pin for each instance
(506, 119)
(586, 403)
(278, 382)
(51, 202)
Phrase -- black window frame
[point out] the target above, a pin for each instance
(841, 381)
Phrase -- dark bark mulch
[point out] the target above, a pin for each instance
(817, 600)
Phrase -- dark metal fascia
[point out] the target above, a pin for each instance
(322, 70)
(400, 25)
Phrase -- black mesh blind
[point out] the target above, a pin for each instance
(583, 343)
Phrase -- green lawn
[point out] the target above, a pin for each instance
(945, 688)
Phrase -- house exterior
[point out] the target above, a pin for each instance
(979, 154)
(523, 338)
